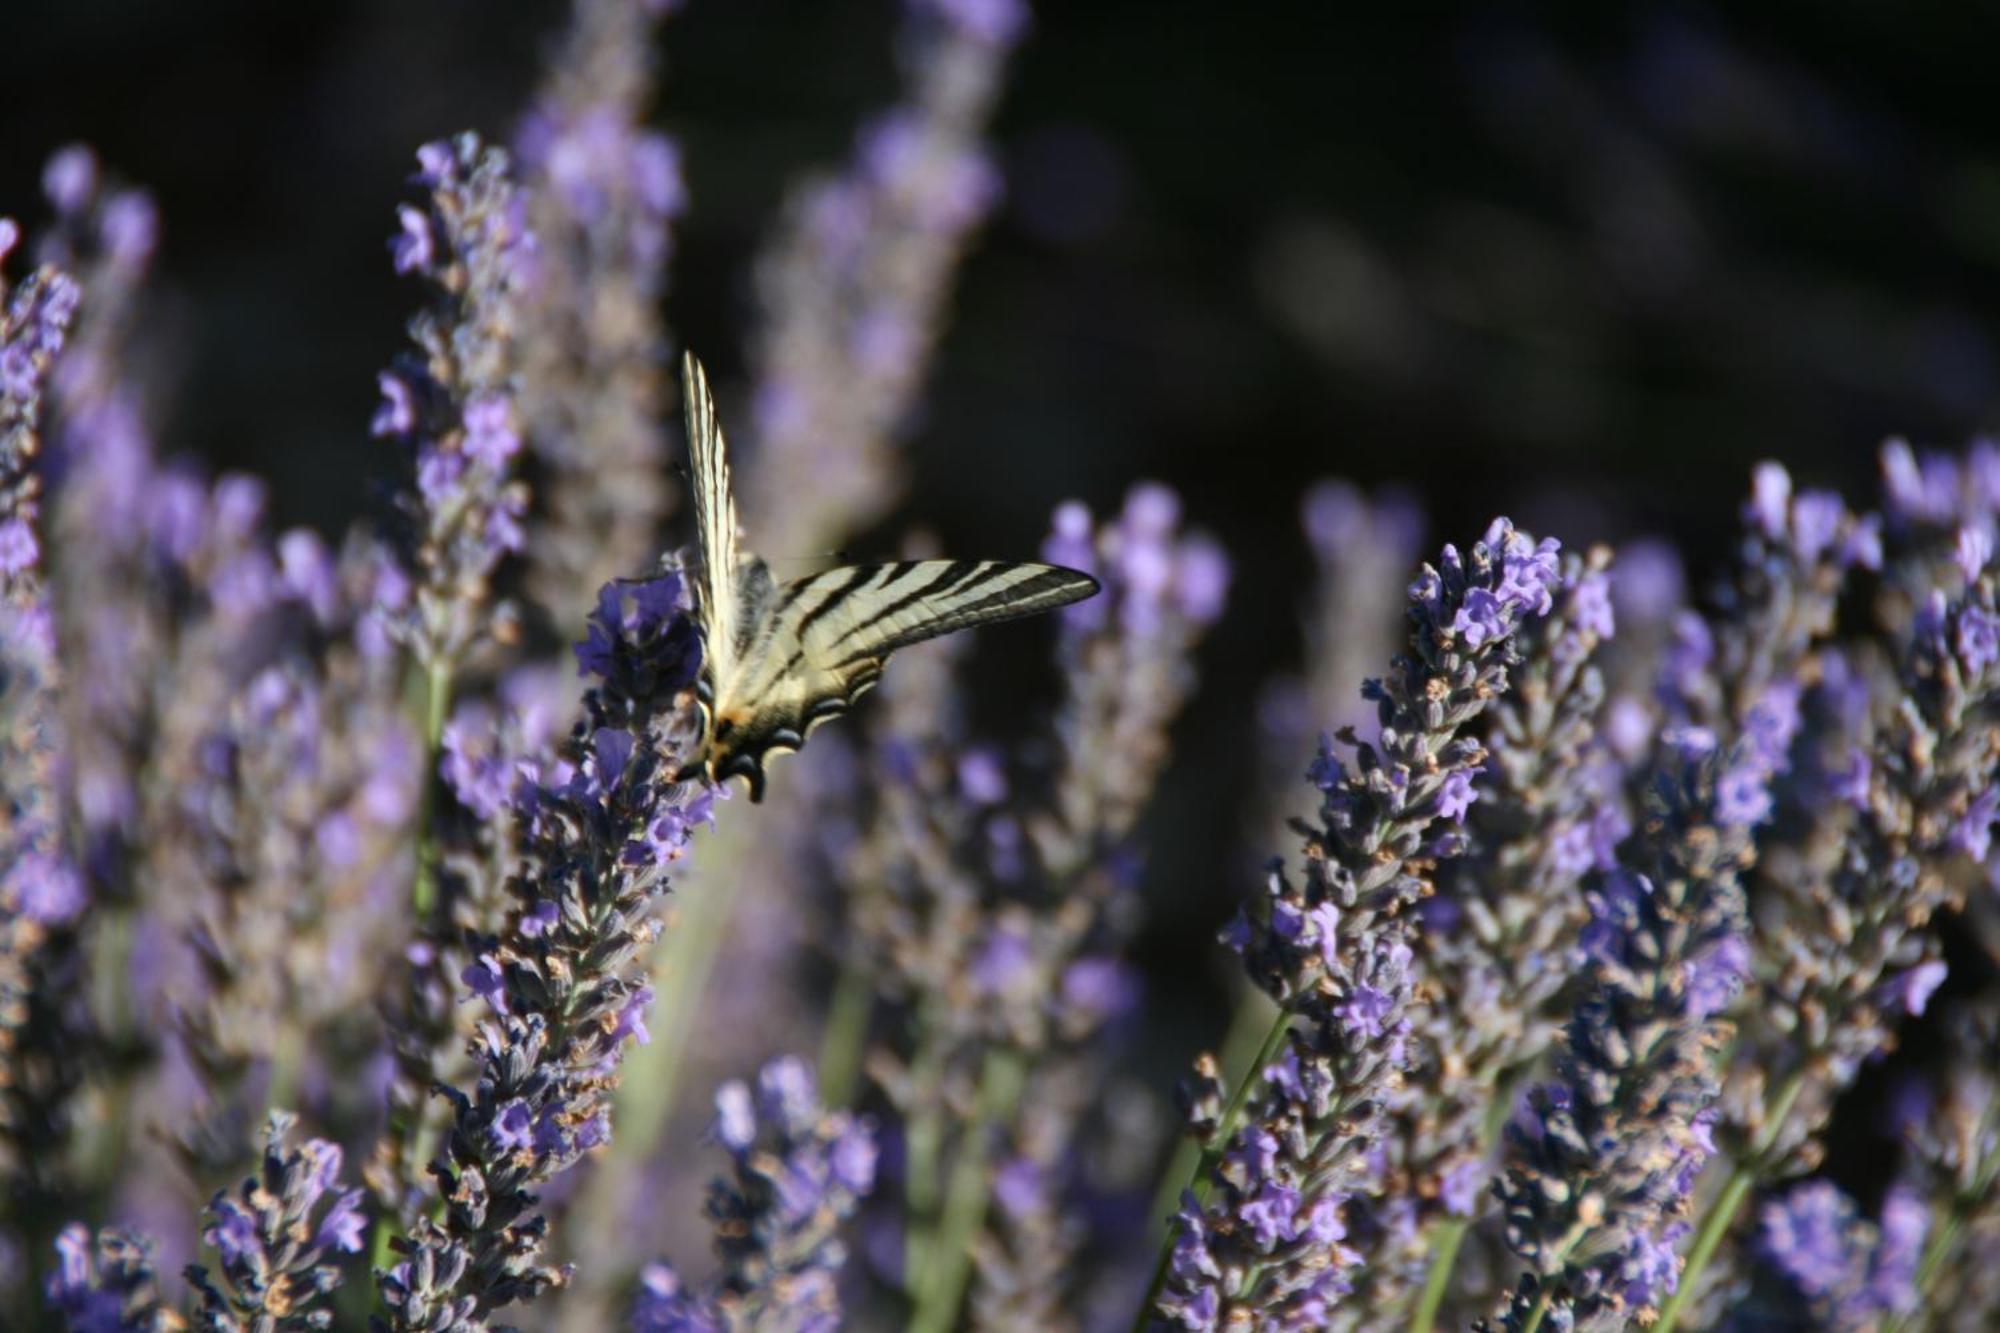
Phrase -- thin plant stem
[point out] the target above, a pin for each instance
(1445, 1243)
(846, 1032)
(1714, 1225)
(437, 705)
(1211, 1153)
(1248, 1026)
(1938, 1248)
(924, 1145)
(1721, 1213)
(1450, 1234)
(941, 1286)
(683, 961)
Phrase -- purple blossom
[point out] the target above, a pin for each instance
(413, 247)
(1456, 795)
(1913, 989)
(514, 1126)
(1809, 1236)
(1978, 641)
(1816, 524)
(1743, 795)
(1714, 977)
(1973, 551)
(1770, 499)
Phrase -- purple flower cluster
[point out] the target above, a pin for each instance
(452, 399)
(106, 1284)
(799, 1172)
(602, 194)
(231, 760)
(1904, 834)
(272, 1239)
(1850, 1272)
(1015, 906)
(596, 834)
(34, 322)
(1498, 939)
(1260, 1235)
(854, 284)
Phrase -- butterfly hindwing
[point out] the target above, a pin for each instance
(778, 660)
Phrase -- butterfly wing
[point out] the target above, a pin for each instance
(718, 596)
(823, 641)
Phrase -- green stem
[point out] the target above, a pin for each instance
(1211, 1153)
(846, 1032)
(437, 703)
(1714, 1226)
(942, 1286)
(682, 962)
(1722, 1212)
(423, 907)
(1450, 1233)
(1449, 1236)
(1539, 1310)
(1249, 1026)
(923, 1145)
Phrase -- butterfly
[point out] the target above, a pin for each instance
(778, 659)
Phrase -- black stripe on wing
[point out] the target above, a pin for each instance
(974, 603)
(742, 753)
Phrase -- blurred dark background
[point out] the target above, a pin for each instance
(1581, 264)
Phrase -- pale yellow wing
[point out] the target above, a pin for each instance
(822, 641)
(718, 599)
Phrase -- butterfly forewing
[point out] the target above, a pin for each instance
(779, 660)
(822, 642)
(717, 594)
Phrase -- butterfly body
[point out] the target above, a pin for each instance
(780, 658)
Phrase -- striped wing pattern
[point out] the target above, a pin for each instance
(821, 643)
(778, 660)
(717, 596)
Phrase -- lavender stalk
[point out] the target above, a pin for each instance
(561, 980)
(1261, 1230)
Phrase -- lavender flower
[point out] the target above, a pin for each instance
(275, 1244)
(855, 283)
(453, 399)
(1952, 1141)
(107, 609)
(106, 1284)
(34, 322)
(1849, 922)
(1260, 1237)
(596, 835)
(1498, 938)
(1600, 1170)
(43, 1027)
(1128, 670)
(1850, 1272)
(800, 1172)
(602, 194)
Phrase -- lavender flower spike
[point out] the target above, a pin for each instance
(452, 400)
(106, 1284)
(855, 284)
(1260, 1241)
(34, 321)
(1599, 1172)
(277, 1246)
(562, 981)
(602, 194)
(800, 1172)
(1497, 940)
